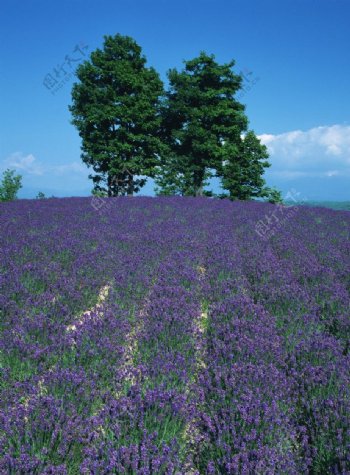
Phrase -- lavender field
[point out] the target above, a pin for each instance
(173, 336)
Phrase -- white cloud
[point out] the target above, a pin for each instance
(28, 164)
(319, 152)
(24, 163)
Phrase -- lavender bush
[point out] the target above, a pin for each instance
(165, 336)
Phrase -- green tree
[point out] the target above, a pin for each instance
(40, 196)
(242, 172)
(10, 185)
(203, 125)
(115, 108)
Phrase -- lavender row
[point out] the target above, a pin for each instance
(49, 366)
(310, 302)
(145, 425)
(244, 422)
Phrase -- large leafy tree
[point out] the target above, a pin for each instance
(204, 127)
(115, 108)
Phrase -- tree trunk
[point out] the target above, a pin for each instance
(109, 186)
(130, 185)
(198, 183)
(199, 190)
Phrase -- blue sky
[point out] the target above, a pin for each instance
(294, 54)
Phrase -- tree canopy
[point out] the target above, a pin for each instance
(132, 129)
(206, 130)
(116, 109)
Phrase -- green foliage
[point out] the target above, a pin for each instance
(40, 196)
(10, 185)
(99, 193)
(116, 111)
(131, 129)
(175, 177)
(203, 125)
(243, 170)
(273, 195)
